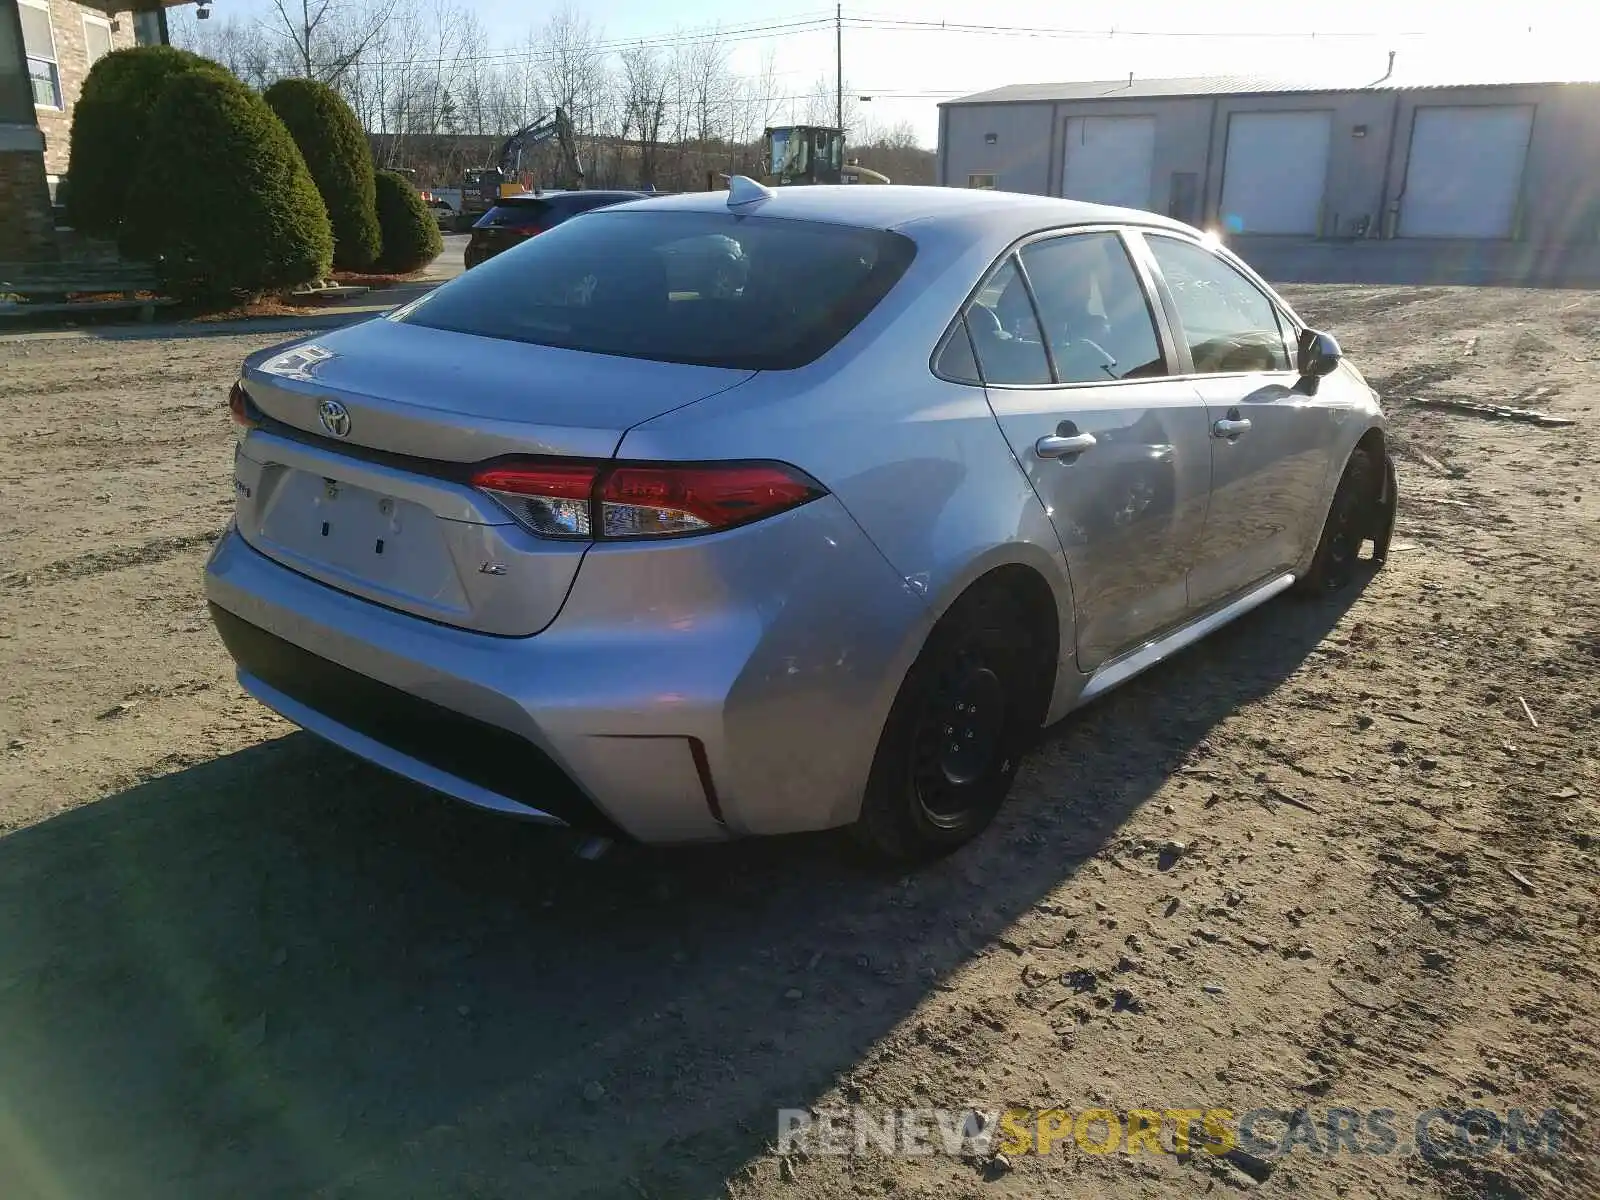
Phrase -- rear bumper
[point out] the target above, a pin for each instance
(689, 690)
(462, 757)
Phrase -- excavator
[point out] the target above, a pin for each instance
(802, 154)
(482, 187)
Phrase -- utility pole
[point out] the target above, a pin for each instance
(838, 59)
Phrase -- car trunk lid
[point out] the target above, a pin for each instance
(357, 475)
(456, 397)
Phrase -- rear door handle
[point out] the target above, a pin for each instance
(1057, 446)
(1230, 427)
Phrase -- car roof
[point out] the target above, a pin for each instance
(896, 206)
(568, 195)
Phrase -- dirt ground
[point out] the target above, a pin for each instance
(234, 962)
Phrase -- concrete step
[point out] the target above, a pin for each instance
(328, 291)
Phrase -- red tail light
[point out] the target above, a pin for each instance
(551, 499)
(643, 500)
(239, 407)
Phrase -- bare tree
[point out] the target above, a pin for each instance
(574, 73)
(645, 83)
(525, 94)
(897, 153)
(475, 78)
(327, 37)
(901, 136)
(435, 98)
(766, 100)
(711, 96)
(237, 44)
(756, 105)
(822, 106)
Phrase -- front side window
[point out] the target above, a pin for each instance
(1005, 331)
(830, 149)
(712, 289)
(1094, 309)
(1230, 325)
(39, 47)
(790, 154)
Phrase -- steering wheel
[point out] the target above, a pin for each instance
(1082, 361)
(1109, 358)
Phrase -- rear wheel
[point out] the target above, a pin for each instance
(1351, 520)
(955, 736)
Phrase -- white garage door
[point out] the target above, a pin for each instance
(1109, 160)
(1465, 171)
(1275, 171)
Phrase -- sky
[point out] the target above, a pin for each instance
(897, 51)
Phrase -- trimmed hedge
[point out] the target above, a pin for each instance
(224, 196)
(410, 234)
(340, 161)
(110, 126)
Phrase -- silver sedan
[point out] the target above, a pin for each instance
(753, 512)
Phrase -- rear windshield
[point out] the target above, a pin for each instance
(584, 201)
(515, 212)
(706, 288)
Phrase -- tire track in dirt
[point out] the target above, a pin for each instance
(118, 558)
(1479, 927)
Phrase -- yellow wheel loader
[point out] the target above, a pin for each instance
(799, 154)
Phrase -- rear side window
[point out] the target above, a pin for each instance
(956, 361)
(1094, 309)
(1005, 332)
(705, 288)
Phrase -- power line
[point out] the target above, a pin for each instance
(533, 53)
(869, 94)
(816, 21)
(908, 24)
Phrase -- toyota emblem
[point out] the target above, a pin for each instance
(335, 418)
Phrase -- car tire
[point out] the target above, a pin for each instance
(1351, 520)
(965, 714)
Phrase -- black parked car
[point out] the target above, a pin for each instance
(515, 219)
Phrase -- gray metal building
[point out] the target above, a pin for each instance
(1446, 183)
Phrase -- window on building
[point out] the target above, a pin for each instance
(39, 46)
(150, 27)
(984, 183)
(96, 37)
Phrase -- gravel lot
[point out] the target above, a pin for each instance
(234, 962)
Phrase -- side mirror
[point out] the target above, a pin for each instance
(1318, 355)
